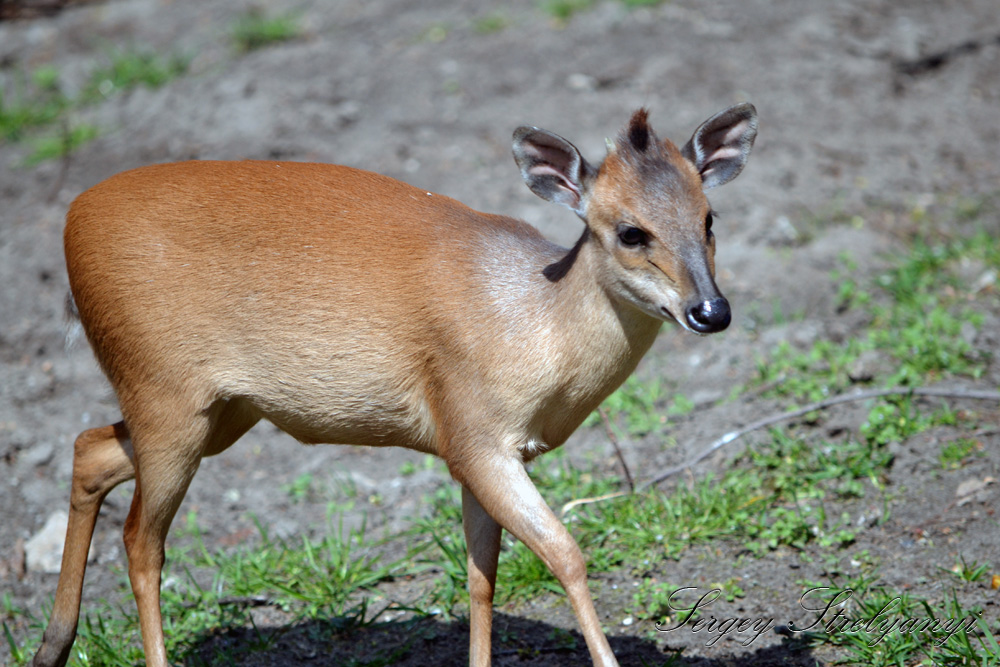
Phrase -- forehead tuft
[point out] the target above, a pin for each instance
(657, 163)
(638, 137)
(639, 133)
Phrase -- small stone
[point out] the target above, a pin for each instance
(968, 332)
(581, 82)
(783, 226)
(37, 456)
(864, 367)
(986, 280)
(111, 555)
(972, 490)
(349, 111)
(43, 552)
(970, 486)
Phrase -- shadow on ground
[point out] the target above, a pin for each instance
(423, 641)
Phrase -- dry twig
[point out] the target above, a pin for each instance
(820, 405)
(618, 450)
(974, 394)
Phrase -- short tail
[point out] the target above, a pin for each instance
(74, 328)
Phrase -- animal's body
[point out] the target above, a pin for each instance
(346, 307)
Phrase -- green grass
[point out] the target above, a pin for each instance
(773, 498)
(31, 101)
(254, 30)
(57, 145)
(207, 593)
(439, 545)
(563, 10)
(36, 102)
(970, 572)
(635, 404)
(651, 600)
(899, 628)
(956, 453)
(435, 34)
(491, 23)
(641, 407)
(128, 69)
(922, 314)
(300, 489)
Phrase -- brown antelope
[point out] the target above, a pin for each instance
(347, 307)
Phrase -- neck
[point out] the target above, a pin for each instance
(583, 301)
(602, 338)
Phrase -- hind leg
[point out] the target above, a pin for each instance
(162, 479)
(102, 459)
(166, 461)
(482, 536)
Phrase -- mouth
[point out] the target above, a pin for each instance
(669, 316)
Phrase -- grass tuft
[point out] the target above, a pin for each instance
(129, 69)
(37, 101)
(254, 30)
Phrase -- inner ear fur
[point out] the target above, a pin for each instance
(721, 146)
(552, 167)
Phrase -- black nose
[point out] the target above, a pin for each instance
(709, 316)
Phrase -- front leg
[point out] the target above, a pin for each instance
(482, 535)
(500, 486)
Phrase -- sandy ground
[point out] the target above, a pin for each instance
(868, 108)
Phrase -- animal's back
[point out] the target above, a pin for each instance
(314, 289)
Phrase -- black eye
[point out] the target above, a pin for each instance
(708, 225)
(631, 236)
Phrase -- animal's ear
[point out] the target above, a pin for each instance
(721, 146)
(552, 167)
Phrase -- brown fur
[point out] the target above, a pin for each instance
(346, 307)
